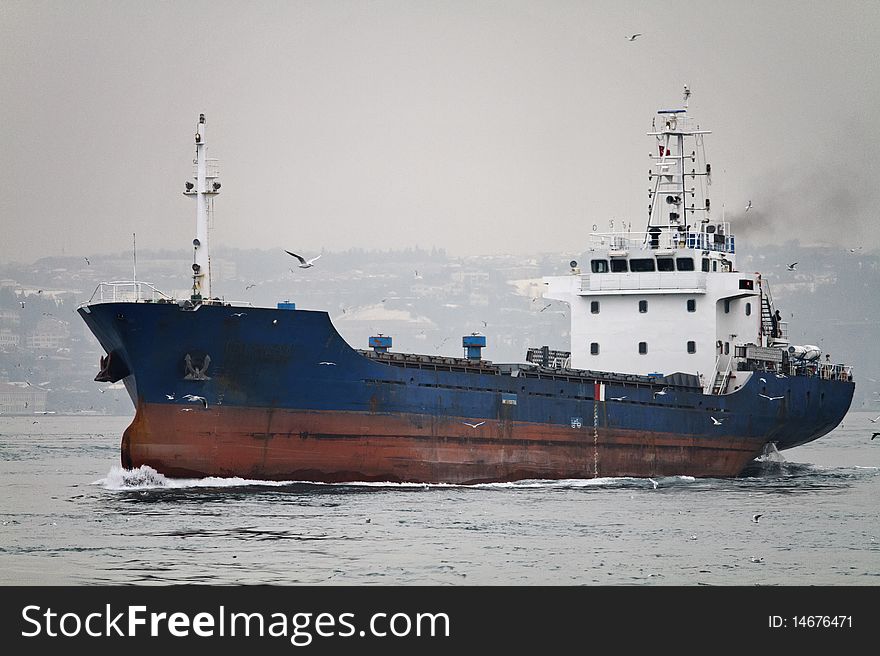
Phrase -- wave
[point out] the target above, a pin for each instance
(147, 478)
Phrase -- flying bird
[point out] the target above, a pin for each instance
(633, 37)
(545, 307)
(792, 266)
(239, 314)
(327, 363)
(170, 397)
(303, 262)
(194, 398)
(756, 517)
(660, 393)
(749, 206)
(473, 425)
(763, 380)
(618, 398)
(253, 284)
(87, 261)
(717, 422)
(771, 398)
(874, 420)
(874, 435)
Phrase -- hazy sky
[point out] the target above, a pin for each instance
(476, 126)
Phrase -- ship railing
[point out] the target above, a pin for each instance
(824, 370)
(127, 291)
(623, 242)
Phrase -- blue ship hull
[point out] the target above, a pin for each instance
(279, 394)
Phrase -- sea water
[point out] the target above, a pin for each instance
(71, 516)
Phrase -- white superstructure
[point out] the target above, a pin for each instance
(670, 298)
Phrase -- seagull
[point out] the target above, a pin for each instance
(660, 393)
(633, 37)
(874, 435)
(749, 206)
(771, 398)
(473, 425)
(874, 420)
(87, 261)
(792, 266)
(239, 314)
(754, 559)
(253, 284)
(304, 263)
(853, 250)
(194, 398)
(170, 397)
(186, 409)
(328, 363)
(756, 517)
(274, 321)
(618, 398)
(545, 307)
(22, 303)
(717, 422)
(781, 376)
(763, 380)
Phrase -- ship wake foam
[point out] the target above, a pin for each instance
(147, 478)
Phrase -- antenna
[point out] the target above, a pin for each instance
(134, 255)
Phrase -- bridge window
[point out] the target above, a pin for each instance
(665, 264)
(641, 265)
(748, 309)
(643, 306)
(726, 348)
(594, 348)
(705, 264)
(594, 307)
(599, 266)
(726, 306)
(692, 347)
(643, 347)
(618, 266)
(685, 263)
(692, 305)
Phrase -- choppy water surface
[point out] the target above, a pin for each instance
(70, 515)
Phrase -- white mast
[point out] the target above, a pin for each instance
(206, 187)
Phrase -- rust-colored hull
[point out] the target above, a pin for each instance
(275, 444)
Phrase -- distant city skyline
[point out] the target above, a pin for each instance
(477, 127)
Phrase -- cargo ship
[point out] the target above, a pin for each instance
(678, 364)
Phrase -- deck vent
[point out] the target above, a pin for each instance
(380, 343)
(472, 345)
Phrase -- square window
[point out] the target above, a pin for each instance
(643, 347)
(665, 264)
(618, 266)
(692, 347)
(643, 306)
(594, 348)
(599, 266)
(692, 305)
(685, 263)
(641, 264)
(594, 307)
